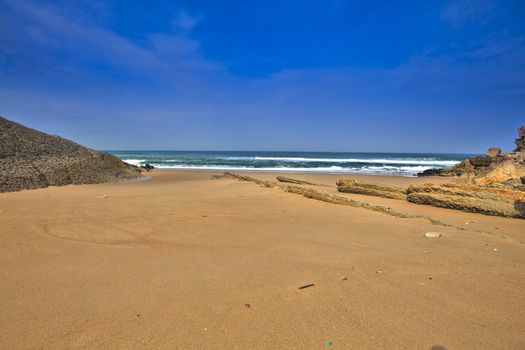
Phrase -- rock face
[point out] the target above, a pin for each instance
(32, 159)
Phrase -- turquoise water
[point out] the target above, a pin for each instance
(406, 164)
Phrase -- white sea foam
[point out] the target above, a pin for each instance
(379, 170)
(414, 161)
(136, 162)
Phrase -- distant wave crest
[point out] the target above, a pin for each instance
(381, 164)
(355, 160)
(387, 170)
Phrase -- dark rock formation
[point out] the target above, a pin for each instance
(481, 161)
(440, 172)
(32, 159)
(520, 141)
(147, 166)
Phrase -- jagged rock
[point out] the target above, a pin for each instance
(493, 152)
(521, 131)
(501, 174)
(520, 141)
(508, 155)
(32, 159)
(520, 145)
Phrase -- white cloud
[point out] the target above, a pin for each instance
(458, 12)
(185, 22)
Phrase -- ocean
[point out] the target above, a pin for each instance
(404, 164)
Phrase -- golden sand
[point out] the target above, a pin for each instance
(183, 261)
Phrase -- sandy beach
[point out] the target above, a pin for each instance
(183, 261)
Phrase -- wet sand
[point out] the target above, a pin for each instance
(184, 261)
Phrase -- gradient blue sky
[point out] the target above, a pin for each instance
(333, 75)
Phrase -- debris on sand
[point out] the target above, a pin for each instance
(304, 286)
(432, 235)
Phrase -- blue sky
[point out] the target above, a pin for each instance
(334, 75)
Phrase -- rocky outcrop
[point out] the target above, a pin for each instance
(295, 181)
(493, 169)
(470, 198)
(493, 152)
(465, 197)
(440, 172)
(520, 141)
(32, 159)
(379, 190)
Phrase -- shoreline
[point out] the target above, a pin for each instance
(313, 172)
(325, 178)
(371, 163)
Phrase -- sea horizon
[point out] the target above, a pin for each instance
(370, 163)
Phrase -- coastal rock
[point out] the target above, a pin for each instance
(521, 131)
(379, 190)
(520, 141)
(493, 169)
(148, 167)
(500, 174)
(470, 198)
(435, 172)
(32, 159)
(493, 152)
(481, 161)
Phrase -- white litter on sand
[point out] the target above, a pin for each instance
(432, 235)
